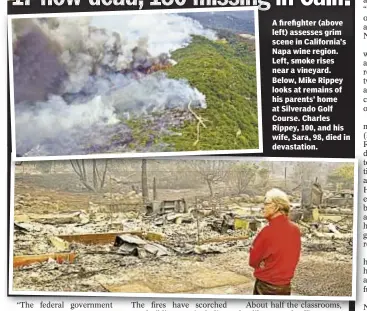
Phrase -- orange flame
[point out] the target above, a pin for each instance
(158, 67)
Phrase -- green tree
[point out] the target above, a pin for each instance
(343, 174)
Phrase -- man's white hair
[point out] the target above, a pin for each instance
(279, 198)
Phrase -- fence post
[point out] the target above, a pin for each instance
(154, 189)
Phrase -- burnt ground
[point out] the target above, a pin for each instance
(220, 268)
(137, 135)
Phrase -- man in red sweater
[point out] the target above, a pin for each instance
(276, 250)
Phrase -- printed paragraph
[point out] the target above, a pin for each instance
(305, 91)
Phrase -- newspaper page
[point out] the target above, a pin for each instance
(199, 155)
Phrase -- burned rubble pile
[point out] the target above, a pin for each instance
(327, 222)
(81, 247)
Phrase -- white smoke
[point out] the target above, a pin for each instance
(166, 32)
(72, 75)
(55, 120)
(153, 94)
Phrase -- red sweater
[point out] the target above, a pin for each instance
(278, 246)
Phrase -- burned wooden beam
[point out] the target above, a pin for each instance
(93, 238)
(21, 261)
(107, 238)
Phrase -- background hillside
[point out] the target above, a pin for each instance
(238, 22)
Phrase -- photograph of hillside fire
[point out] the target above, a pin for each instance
(127, 84)
(231, 227)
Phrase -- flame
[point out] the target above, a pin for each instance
(158, 67)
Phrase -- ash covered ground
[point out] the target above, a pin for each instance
(171, 261)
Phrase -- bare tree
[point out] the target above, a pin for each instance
(212, 171)
(44, 166)
(98, 178)
(307, 171)
(264, 174)
(242, 174)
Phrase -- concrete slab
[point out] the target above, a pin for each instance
(242, 289)
(208, 278)
(128, 288)
(170, 284)
(198, 280)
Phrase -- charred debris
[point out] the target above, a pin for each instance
(176, 227)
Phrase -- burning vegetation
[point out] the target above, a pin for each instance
(79, 75)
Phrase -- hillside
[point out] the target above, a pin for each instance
(226, 74)
(239, 22)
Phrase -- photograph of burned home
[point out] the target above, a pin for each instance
(138, 83)
(176, 226)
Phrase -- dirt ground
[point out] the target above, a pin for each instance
(101, 269)
(317, 275)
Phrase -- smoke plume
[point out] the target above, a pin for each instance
(74, 75)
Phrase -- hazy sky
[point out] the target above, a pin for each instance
(164, 32)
